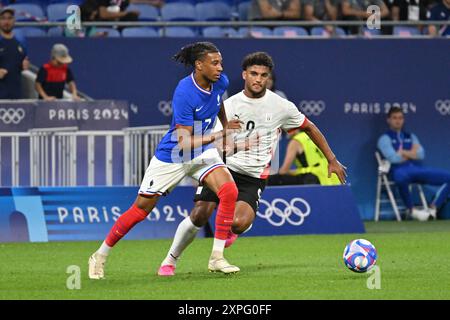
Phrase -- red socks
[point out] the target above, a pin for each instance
(224, 219)
(125, 222)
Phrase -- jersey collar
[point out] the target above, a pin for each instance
(200, 88)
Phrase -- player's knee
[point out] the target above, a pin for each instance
(240, 225)
(228, 193)
(201, 213)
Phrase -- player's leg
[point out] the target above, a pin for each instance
(435, 177)
(186, 232)
(250, 190)
(221, 182)
(160, 177)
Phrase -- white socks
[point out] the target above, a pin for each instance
(218, 247)
(185, 234)
(104, 249)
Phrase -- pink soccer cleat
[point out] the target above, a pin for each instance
(231, 238)
(166, 270)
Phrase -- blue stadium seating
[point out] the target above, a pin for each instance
(57, 12)
(147, 12)
(30, 32)
(110, 32)
(140, 32)
(406, 31)
(77, 2)
(255, 32)
(182, 32)
(178, 12)
(213, 11)
(371, 32)
(193, 2)
(27, 12)
(290, 32)
(243, 9)
(55, 32)
(219, 32)
(320, 31)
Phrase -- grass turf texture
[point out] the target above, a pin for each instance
(413, 259)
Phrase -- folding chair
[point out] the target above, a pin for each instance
(384, 182)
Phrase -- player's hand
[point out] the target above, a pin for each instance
(235, 124)
(334, 166)
(50, 98)
(3, 73)
(26, 63)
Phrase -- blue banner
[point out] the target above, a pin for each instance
(79, 213)
(62, 214)
(305, 210)
(86, 115)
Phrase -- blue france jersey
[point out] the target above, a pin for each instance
(192, 106)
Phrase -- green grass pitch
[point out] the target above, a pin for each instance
(414, 263)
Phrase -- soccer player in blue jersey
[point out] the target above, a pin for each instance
(187, 150)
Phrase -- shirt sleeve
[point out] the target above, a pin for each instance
(42, 74)
(70, 77)
(385, 146)
(183, 112)
(421, 150)
(294, 118)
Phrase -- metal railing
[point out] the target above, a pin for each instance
(55, 155)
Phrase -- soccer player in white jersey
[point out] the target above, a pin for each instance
(267, 113)
(186, 150)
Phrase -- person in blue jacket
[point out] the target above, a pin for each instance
(405, 153)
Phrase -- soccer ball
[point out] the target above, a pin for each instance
(360, 255)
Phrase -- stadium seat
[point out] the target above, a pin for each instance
(182, 32)
(28, 12)
(148, 12)
(219, 32)
(178, 11)
(229, 2)
(143, 32)
(384, 184)
(193, 2)
(290, 32)
(57, 12)
(110, 32)
(371, 32)
(405, 31)
(243, 9)
(213, 11)
(55, 32)
(31, 32)
(255, 32)
(321, 32)
(76, 2)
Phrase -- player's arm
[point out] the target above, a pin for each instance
(317, 137)
(294, 147)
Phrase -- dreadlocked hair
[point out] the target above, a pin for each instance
(194, 51)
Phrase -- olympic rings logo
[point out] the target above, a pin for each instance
(279, 211)
(443, 107)
(165, 107)
(314, 108)
(11, 115)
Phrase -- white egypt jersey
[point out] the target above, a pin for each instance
(267, 115)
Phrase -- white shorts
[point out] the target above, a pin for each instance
(162, 177)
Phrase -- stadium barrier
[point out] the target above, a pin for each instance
(78, 213)
(46, 154)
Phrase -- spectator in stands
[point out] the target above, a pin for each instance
(53, 76)
(155, 3)
(107, 10)
(275, 10)
(405, 153)
(357, 10)
(440, 12)
(321, 10)
(13, 57)
(311, 165)
(409, 10)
